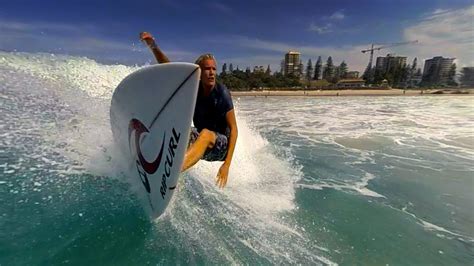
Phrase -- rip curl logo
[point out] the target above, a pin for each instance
(148, 167)
(145, 167)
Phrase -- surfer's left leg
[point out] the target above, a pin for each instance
(205, 140)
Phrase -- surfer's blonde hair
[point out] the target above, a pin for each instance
(205, 57)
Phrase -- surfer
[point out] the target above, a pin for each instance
(215, 133)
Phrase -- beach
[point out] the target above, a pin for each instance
(353, 92)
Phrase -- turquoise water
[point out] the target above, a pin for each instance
(337, 180)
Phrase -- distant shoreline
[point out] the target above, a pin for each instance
(358, 92)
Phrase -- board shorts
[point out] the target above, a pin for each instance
(216, 153)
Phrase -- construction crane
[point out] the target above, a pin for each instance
(372, 49)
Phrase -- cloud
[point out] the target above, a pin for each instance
(448, 33)
(81, 40)
(54, 36)
(18, 26)
(321, 29)
(328, 27)
(220, 7)
(439, 11)
(338, 15)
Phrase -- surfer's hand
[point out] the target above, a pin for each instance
(221, 179)
(147, 38)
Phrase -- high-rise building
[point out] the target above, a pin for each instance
(293, 63)
(437, 69)
(467, 76)
(384, 64)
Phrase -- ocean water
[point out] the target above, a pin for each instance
(336, 180)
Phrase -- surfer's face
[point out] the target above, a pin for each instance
(208, 73)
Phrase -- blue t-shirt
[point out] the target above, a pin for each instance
(210, 111)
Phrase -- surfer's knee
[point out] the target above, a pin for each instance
(209, 136)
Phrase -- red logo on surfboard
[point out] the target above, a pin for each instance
(145, 167)
(149, 167)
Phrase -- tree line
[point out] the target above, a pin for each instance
(397, 75)
(328, 72)
(237, 79)
(240, 80)
(401, 75)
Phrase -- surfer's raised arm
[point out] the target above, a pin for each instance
(150, 42)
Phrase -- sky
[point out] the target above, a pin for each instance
(244, 33)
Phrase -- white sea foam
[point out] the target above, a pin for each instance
(345, 117)
(81, 73)
(439, 230)
(260, 189)
(381, 128)
(359, 186)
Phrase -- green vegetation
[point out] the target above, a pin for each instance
(317, 76)
(327, 75)
(328, 72)
(317, 69)
(395, 76)
(239, 80)
(406, 75)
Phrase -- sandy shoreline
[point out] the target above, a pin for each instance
(359, 92)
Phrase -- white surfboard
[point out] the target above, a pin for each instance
(150, 116)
